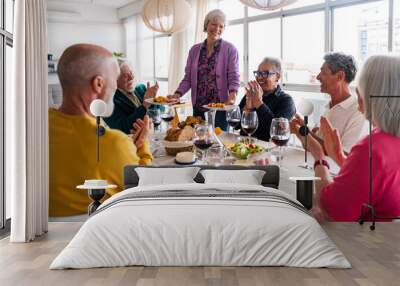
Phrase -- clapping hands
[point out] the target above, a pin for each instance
(140, 131)
(254, 95)
(151, 92)
(331, 145)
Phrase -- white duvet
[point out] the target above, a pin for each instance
(200, 231)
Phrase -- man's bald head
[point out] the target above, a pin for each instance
(80, 64)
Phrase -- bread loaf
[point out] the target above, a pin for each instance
(177, 134)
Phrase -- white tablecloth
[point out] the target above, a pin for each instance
(293, 158)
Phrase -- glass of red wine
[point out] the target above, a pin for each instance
(155, 115)
(249, 123)
(168, 114)
(280, 134)
(233, 117)
(203, 139)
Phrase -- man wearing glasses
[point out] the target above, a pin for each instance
(266, 97)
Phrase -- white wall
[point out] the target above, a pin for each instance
(70, 23)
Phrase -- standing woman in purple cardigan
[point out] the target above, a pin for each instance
(212, 70)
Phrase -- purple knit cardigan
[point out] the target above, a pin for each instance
(227, 70)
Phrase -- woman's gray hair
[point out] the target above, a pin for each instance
(275, 62)
(216, 14)
(380, 77)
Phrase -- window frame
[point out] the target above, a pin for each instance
(6, 39)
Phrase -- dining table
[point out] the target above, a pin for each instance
(292, 160)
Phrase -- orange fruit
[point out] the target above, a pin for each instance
(218, 130)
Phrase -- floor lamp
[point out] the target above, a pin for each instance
(98, 108)
(368, 207)
(305, 108)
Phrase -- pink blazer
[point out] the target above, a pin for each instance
(343, 198)
(227, 70)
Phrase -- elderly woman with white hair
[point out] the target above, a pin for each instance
(212, 70)
(342, 197)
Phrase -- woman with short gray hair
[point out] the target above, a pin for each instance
(341, 198)
(212, 70)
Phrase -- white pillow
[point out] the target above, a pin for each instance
(166, 176)
(246, 177)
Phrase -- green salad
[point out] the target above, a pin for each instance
(242, 150)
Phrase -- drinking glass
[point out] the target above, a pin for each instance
(249, 123)
(280, 134)
(203, 138)
(233, 117)
(216, 155)
(155, 115)
(168, 114)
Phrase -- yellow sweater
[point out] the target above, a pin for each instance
(73, 159)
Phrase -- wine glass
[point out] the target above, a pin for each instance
(280, 134)
(249, 123)
(233, 117)
(168, 114)
(203, 138)
(155, 115)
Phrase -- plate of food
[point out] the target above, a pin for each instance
(161, 100)
(242, 150)
(219, 106)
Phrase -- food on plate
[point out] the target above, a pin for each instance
(160, 99)
(191, 121)
(242, 150)
(180, 134)
(216, 105)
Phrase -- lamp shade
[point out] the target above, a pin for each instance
(267, 4)
(98, 107)
(166, 16)
(305, 107)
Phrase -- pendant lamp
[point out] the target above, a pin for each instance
(166, 16)
(267, 4)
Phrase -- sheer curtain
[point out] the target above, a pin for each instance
(27, 133)
(181, 43)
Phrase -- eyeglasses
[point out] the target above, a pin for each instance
(263, 73)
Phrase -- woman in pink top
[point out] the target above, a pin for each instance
(341, 198)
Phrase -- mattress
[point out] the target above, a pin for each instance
(201, 225)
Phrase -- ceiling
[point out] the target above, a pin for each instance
(109, 3)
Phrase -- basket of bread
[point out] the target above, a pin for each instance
(180, 139)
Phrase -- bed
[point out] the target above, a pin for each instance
(201, 224)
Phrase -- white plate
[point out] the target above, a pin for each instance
(226, 108)
(151, 101)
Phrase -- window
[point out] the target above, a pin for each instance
(303, 3)
(232, 9)
(303, 47)
(9, 71)
(361, 30)
(234, 34)
(259, 46)
(162, 50)
(301, 33)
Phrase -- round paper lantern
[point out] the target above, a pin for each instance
(267, 4)
(166, 16)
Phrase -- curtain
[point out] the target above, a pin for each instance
(181, 42)
(27, 158)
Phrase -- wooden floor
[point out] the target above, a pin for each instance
(375, 257)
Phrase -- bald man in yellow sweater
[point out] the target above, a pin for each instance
(88, 72)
